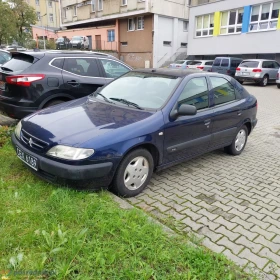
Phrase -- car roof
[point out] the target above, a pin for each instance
(258, 60)
(175, 72)
(231, 57)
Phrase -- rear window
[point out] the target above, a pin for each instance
(4, 57)
(225, 63)
(179, 62)
(249, 64)
(195, 63)
(217, 62)
(19, 62)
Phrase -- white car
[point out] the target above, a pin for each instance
(278, 78)
(180, 64)
(203, 65)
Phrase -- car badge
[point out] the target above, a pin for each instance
(30, 142)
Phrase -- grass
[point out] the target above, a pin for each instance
(56, 233)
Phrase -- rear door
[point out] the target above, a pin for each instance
(275, 66)
(224, 66)
(227, 115)
(216, 64)
(81, 76)
(112, 69)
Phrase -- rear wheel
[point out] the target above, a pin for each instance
(240, 82)
(278, 85)
(53, 102)
(264, 81)
(134, 173)
(238, 144)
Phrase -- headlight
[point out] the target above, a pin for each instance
(70, 153)
(18, 130)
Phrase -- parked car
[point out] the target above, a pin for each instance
(180, 64)
(4, 56)
(14, 48)
(278, 79)
(145, 120)
(258, 70)
(62, 43)
(203, 65)
(226, 65)
(31, 81)
(79, 42)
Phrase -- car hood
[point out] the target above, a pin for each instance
(76, 122)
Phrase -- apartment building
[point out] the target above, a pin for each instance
(241, 28)
(144, 33)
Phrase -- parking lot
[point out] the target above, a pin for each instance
(230, 202)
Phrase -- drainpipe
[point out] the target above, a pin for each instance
(60, 10)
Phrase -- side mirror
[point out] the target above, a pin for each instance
(184, 110)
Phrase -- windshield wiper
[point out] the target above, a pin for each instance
(124, 101)
(104, 97)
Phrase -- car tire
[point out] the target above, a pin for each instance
(53, 102)
(278, 85)
(132, 167)
(240, 82)
(238, 144)
(264, 81)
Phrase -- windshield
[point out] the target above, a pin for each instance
(77, 38)
(60, 40)
(179, 61)
(249, 64)
(147, 90)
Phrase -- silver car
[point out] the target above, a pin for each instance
(180, 64)
(261, 71)
(203, 65)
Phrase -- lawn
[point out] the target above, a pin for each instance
(56, 233)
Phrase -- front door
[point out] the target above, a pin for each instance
(188, 136)
(227, 115)
(98, 42)
(81, 76)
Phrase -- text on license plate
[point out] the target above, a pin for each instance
(245, 73)
(28, 159)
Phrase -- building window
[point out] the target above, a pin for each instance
(100, 5)
(111, 35)
(75, 10)
(64, 12)
(167, 43)
(130, 24)
(37, 2)
(124, 44)
(51, 17)
(231, 21)
(264, 17)
(184, 45)
(204, 25)
(50, 4)
(140, 23)
(93, 5)
(185, 25)
(124, 2)
(38, 16)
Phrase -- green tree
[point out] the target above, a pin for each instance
(7, 22)
(25, 15)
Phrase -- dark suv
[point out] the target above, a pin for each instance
(31, 81)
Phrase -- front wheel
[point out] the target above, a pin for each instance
(134, 173)
(238, 144)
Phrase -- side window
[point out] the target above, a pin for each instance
(58, 63)
(276, 65)
(82, 66)
(225, 63)
(113, 69)
(209, 63)
(223, 90)
(195, 93)
(217, 62)
(267, 64)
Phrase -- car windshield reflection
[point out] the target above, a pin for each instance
(147, 90)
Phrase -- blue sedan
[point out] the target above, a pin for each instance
(144, 121)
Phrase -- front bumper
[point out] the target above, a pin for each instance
(93, 176)
(14, 111)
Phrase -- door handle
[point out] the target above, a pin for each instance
(207, 122)
(73, 83)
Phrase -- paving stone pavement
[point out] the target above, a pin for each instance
(233, 203)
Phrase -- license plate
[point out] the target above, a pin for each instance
(27, 159)
(245, 73)
(74, 45)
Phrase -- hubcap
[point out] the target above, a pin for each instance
(265, 81)
(136, 173)
(240, 140)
